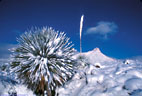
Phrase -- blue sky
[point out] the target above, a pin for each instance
(115, 26)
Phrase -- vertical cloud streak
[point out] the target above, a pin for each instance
(81, 26)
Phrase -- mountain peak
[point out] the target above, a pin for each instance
(97, 50)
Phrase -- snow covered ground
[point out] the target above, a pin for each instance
(8, 85)
(105, 76)
(99, 75)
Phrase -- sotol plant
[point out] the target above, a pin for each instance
(43, 60)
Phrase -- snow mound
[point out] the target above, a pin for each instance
(133, 84)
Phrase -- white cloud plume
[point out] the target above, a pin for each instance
(103, 29)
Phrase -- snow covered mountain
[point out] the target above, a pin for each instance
(105, 76)
(97, 56)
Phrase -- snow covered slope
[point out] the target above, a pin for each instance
(100, 76)
(105, 76)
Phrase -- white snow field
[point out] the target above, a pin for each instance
(105, 76)
(99, 75)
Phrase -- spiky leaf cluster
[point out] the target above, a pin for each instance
(43, 59)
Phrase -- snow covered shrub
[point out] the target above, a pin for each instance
(43, 60)
(82, 60)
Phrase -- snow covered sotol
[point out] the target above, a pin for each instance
(43, 60)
